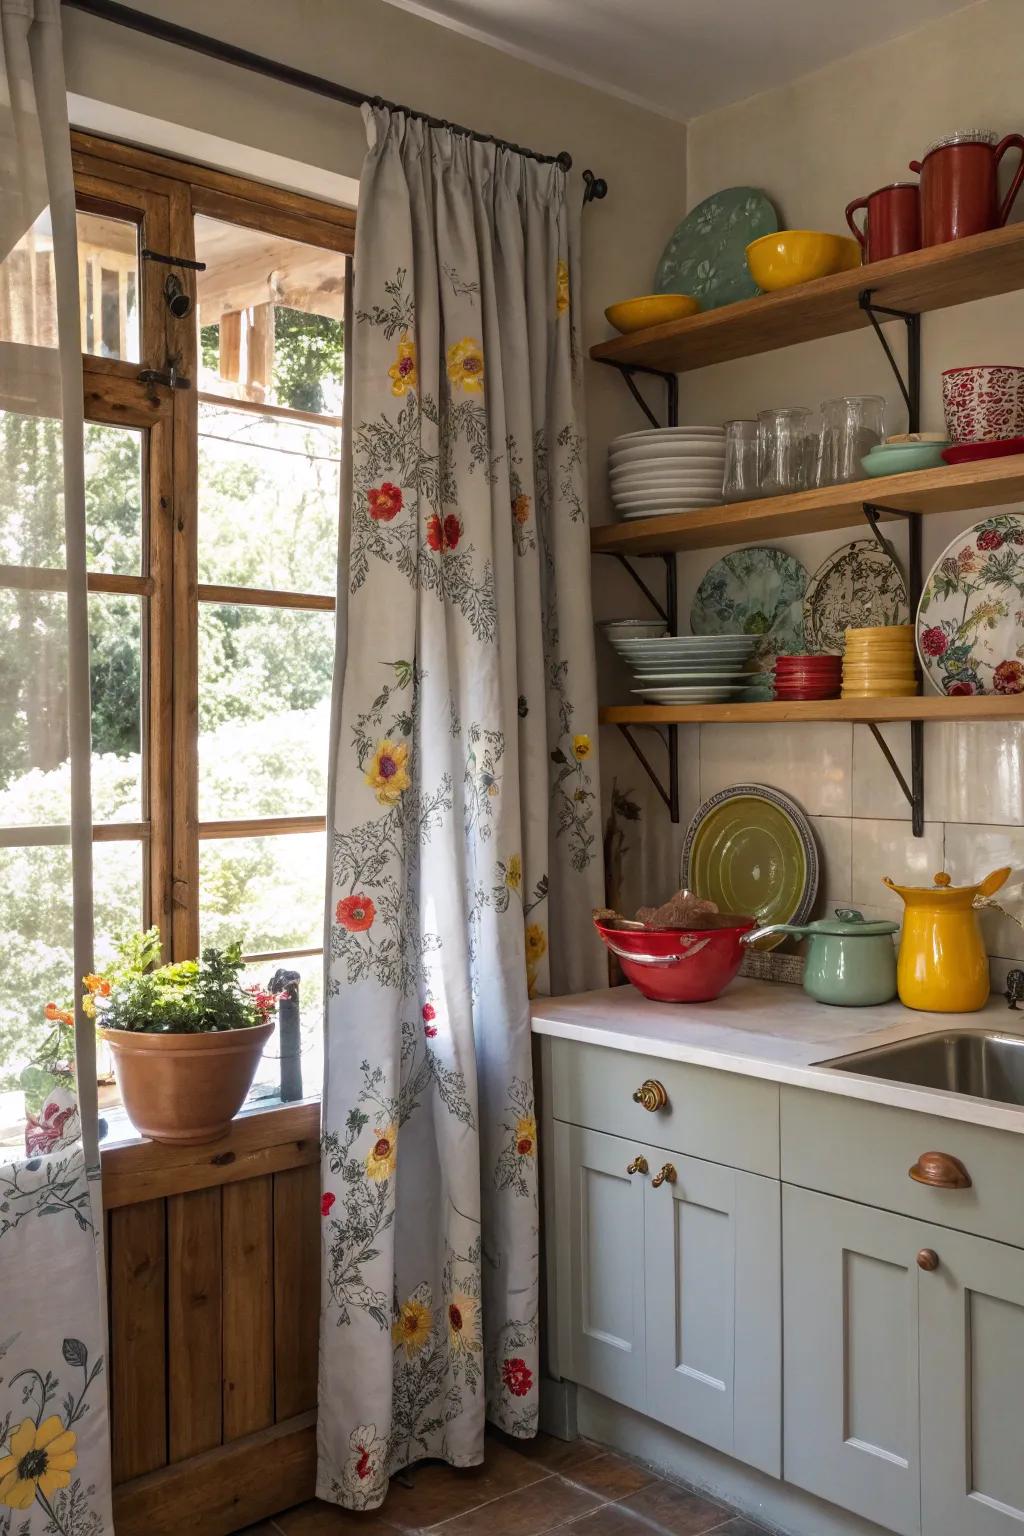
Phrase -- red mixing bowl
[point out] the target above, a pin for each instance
(678, 965)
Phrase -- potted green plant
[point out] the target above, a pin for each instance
(186, 1038)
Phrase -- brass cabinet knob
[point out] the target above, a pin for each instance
(667, 1175)
(651, 1094)
(638, 1165)
(927, 1259)
(940, 1170)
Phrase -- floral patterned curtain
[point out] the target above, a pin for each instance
(465, 851)
(54, 1454)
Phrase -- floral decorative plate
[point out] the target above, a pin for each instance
(857, 586)
(750, 849)
(755, 591)
(707, 254)
(970, 620)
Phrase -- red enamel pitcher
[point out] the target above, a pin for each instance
(892, 222)
(959, 185)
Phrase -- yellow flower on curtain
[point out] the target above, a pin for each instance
(387, 773)
(581, 747)
(402, 372)
(562, 287)
(413, 1326)
(464, 1323)
(382, 1156)
(514, 872)
(536, 949)
(526, 1136)
(41, 1460)
(521, 509)
(466, 365)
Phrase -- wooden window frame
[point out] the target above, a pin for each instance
(163, 195)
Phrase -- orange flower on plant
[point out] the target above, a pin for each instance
(96, 984)
(58, 1015)
(385, 501)
(402, 372)
(466, 365)
(356, 913)
(387, 773)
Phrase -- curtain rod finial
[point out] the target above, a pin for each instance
(596, 187)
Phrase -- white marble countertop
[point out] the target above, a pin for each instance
(775, 1031)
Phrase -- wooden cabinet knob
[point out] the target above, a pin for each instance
(667, 1175)
(940, 1170)
(651, 1094)
(638, 1165)
(927, 1259)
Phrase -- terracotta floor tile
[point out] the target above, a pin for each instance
(676, 1510)
(556, 1455)
(440, 1492)
(529, 1511)
(610, 1476)
(317, 1519)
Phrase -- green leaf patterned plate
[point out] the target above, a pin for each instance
(859, 585)
(750, 849)
(707, 254)
(970, 620)
(754, 591)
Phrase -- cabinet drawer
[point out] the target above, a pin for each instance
(715, 1115)
(864, 1152)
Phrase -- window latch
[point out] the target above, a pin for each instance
(169, 376)
(173, 261)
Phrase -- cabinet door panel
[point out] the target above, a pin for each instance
(850, 1359)
(600, 1245)
(714, 1309)
(972, 1388)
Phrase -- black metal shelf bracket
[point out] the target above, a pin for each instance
(669, 611)
(914, 791)
(670, 380)
(910, 386)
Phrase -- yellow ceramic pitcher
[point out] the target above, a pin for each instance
(943, 967)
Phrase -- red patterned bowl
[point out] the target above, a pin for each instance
(678, 965)
(983, 404)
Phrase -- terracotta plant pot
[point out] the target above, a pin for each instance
(185, 1089)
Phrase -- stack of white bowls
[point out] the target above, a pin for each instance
(667, 469)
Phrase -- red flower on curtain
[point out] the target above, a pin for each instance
(517, 1376)
(356, 913)
(326, 1201)
(385, 502)
(443, 534)
(44, 1132)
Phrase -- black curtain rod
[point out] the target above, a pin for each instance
(228, 53)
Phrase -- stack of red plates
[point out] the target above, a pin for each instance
(808, 677)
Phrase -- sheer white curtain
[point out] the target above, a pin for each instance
(465, 820)
(54, 1456)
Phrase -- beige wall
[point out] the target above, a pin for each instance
(814, 146)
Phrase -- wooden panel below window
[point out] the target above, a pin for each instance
(138, 1391)
(248, 1217)
(194, 1314)
(296, 1289)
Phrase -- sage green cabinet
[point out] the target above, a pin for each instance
(670, 1296)
(903, 1386)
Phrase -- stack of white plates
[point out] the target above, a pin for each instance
(690, 669)
(668, 469)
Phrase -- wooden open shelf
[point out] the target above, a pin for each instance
(977, 267)
(860, 711)
(951, 488)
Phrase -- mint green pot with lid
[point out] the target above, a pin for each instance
(850, 962)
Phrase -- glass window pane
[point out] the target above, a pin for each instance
(270, 318)
(31, 490)
(36, 937)
(34, 782)
(108, 277)
(266, 891)
(268, 500)
(115, 668)
(264, 711)
(267, 1083)
(113, 499)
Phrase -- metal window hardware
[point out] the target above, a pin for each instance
(169, 376)
(173, 261)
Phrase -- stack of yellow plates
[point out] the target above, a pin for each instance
(880, 663)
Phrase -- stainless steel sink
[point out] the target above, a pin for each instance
(979, 1062)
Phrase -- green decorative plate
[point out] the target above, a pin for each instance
(707, 254)
(750, 849)
(754, 591)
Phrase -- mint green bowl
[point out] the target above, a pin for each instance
(900, 458)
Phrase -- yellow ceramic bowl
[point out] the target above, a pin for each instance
(881, 632)
(794, 256)
(653, 309)
(882, 691)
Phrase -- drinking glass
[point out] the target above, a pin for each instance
(782, 449)
(742, 482)
(851, 426)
